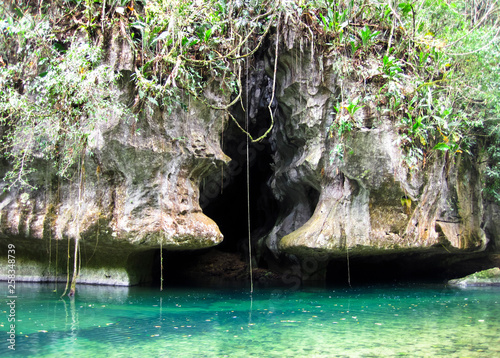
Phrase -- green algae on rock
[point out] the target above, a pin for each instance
(489, 277)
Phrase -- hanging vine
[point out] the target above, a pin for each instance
(76, 250)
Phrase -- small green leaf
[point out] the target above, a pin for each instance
(417, 124)
(405, 8)
(441, 146)
(325, 23)
(59, 47)
(153, 101)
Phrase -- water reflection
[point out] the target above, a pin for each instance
(373, 321)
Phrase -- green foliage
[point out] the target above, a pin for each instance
(353, 106)
(438, 80)
(439, 77)
(405, 8)
(49, 115)
(391, 67)
(492, 188)
(182, 46)
(343, 124)
(335, 21)
(367, 36)
(54, 92)
(442, 80)
(345, 121)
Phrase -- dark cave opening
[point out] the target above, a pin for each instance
(229, 207)
(200, 268)
(425, 267)
(223, 198)
(215, 268)
(224, 194)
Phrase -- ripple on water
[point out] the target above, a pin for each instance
(372, 322)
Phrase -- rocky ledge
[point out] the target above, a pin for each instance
(489, 277)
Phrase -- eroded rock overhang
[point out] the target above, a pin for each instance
(140, 190)
(371, 201)
(138, 193)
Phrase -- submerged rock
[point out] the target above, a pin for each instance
(489, 277)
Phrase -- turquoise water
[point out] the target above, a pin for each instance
(414, 321)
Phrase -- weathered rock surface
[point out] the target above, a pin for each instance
(489, 277)
(361, 177)
(139, 192)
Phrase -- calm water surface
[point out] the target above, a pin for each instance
(414, 321)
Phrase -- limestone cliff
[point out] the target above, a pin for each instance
(140, 187)
(370, 200)
(139, 192)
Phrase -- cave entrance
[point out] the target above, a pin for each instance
(224, 194)
(223, 198)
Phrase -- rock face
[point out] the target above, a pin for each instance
(139, 192)
(489, 277)
(370, 202)
(140, 187)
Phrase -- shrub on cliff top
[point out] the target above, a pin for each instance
(50, 98)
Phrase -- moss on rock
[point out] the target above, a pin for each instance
(489, 277)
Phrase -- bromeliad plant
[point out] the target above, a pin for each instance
(344, 122)
(344, 117)
(335, 21)
(367, 36)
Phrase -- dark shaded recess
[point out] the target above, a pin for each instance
(174, 264)
(225, 192)
(201, 268)
(223, 197)
(210, 268)
(406, 267)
